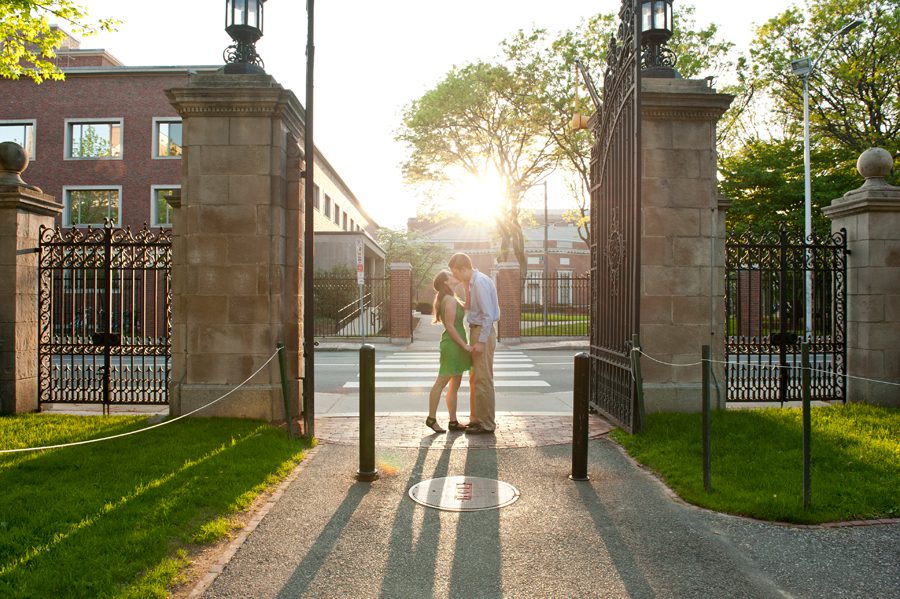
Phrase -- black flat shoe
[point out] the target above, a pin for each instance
(454, 425)
(477, 429)
(433, 425)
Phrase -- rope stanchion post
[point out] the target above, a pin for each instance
(290, 425)
(707, 485)
(580, 417)
(638, 382)
(807, 434)
(367, 471)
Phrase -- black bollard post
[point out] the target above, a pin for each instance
(807, 435)
(367, 471)
(705, 364)
(580, 417)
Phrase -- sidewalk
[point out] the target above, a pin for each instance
(622, 534)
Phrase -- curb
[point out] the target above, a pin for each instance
(232, 548)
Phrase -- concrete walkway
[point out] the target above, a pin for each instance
(621, 534)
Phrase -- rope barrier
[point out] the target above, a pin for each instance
(774, 366)
(88, 441)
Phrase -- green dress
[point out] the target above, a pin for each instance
(454, 359)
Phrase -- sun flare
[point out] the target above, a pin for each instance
(477, 198)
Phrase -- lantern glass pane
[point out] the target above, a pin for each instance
(240, 15)
(659, 14)
(252, 17)
(645, 15)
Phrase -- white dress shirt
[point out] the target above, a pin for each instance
(484, 309)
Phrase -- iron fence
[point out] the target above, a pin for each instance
(104, 316)
(341, 312)
(556, 306)
(767, 316)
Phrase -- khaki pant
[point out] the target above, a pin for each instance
(483, 370)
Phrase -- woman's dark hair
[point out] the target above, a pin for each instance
(442, 287)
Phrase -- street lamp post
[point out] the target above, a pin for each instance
(804, 68)
(546, 255)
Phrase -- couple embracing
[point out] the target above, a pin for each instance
(461, 352)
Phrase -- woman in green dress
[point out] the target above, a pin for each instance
(456, 357)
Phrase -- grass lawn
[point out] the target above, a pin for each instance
(119, 518)
(569, 329)
(539, 317)
(757, 461)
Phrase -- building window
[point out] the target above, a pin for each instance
(21, 132)
(160, 209)
(337, 215)
(316, 203)
(564, 287)
(85, 206)
(352, 225)
(327, 211)
(344, 222)
(166, 138)
(534, 288)
(94, 139)
(563, 261)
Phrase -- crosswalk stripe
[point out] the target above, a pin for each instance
(427, 384)
(503, 373)
(432, 366)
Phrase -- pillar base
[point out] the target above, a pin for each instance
(258, 402)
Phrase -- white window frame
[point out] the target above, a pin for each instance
(67, 207)
(154, 140)
(327, 209)
(33, 123)
(337, 215)
(564, 287)
(67, 146)
(153, 199)
(317, 198)
(534, 285)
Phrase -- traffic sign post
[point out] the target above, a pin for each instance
(361, 281)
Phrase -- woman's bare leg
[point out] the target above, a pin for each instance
(434, 398)
(451, 396)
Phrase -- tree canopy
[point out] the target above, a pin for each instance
(30, 42)
(425, 256)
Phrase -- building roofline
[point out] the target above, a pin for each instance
(150, 70)
(345, 188)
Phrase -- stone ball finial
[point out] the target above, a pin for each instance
(875, 164)
(13, 161)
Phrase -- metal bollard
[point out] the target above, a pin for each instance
(807, 425)
(580, 417)
(367, 471)
(706, 366)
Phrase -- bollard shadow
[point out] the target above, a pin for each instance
(476, 568)
(620, 554)
(312, 562)
(419, 557)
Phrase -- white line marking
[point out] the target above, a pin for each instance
(504, 373)
(434, 366)
(428, 384)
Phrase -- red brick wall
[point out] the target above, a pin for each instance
(401, 303)
(136, 98)
(509, 294)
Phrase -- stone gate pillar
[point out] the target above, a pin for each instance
(237, 247)
(871, 216)
(509, 296)
(23, 209)
(683, 240)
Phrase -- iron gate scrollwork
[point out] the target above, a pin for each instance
(616, 224)
(766, 295)
(104, 316)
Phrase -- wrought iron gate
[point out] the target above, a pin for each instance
(616, 224)
(104, 316)
(766, 299)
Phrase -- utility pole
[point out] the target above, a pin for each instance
(309, 304)
(546, 257)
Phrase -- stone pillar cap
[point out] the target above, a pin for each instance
(13, 162)
(874, 164)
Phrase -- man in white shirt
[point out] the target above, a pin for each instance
(483, 312)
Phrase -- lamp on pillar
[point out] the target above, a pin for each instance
(244, 23)
(657, 60)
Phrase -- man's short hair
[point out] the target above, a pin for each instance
(460, 260)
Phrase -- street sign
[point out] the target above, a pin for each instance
(360, 263)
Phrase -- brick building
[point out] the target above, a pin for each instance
(107, 144)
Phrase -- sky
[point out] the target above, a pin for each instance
(371, 60)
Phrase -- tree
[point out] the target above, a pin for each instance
(425, 256)
(30, 43)
(476, 119)
(548, 65)
(854, 105)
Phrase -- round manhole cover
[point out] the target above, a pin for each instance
(463, 493)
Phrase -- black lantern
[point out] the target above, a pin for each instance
(244, 23)
(657, 59)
